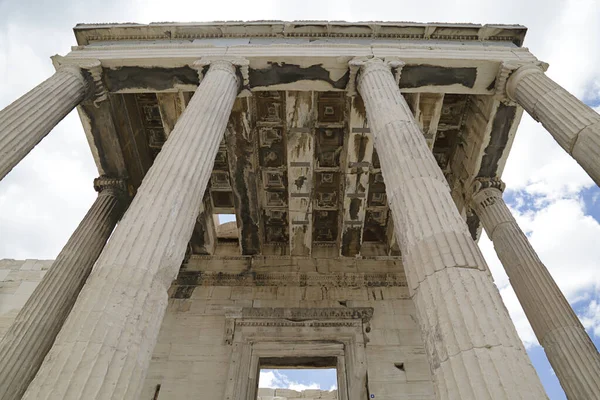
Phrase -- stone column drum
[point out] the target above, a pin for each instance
(25, 122)
(570, 350)
(574, 125)
(472, 346)
(105, 346)
(31, 335)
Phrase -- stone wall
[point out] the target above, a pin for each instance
(192, 357)
(287, 394)
(18, 279)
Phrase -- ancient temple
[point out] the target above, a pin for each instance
(360, 162)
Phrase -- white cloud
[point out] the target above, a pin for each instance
(591, 318)
(274, 379)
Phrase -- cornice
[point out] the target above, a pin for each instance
(87, 33)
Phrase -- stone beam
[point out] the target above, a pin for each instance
(427, 110)
(97, 119)
(430, 106)
(160, 67)
(240, 141)
(300, 123)
(204, 237)
(133, 140)
(486, 139)
(359, 154)
(171, 105)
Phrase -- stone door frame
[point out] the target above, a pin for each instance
(256, 333)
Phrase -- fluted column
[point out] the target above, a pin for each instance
(105, 346)
(31, 335)
(472, 346)
(25, 122)
(570, 350)
(574, 125)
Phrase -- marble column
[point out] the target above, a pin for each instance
(105, 346)
(472, 346)
(25, 122)
(31, 335)
(574, 125)
(570, 350)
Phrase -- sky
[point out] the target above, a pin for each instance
(558, 206)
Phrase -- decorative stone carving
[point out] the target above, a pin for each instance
(308, 314)
(345, 279)
(570, 351)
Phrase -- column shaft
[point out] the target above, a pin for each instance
(25, 122)
(574, 125)
(570, 351)
(105, 346)
(31, 335)
(472, 346)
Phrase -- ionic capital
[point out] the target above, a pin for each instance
(89, 71)
(114, 186)
(238, 66)
(361, 66)
(509, 74)
(485, 191)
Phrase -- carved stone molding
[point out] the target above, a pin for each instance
(350, 317)
(341, 279)
(306, 314)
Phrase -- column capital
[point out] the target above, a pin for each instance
(483, 188)
(236, 65)
(360, 65)
(482, 183)
(509, 73)
(106, 184)
(89, 71)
